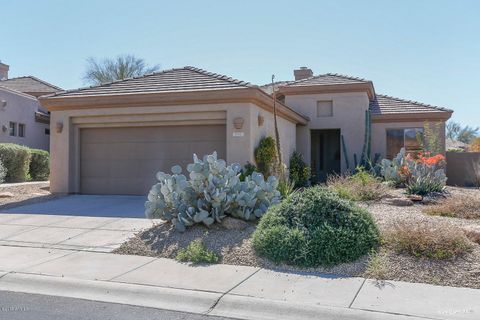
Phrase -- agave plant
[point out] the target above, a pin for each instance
(212, 192)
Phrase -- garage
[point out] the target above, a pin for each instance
(124, 160)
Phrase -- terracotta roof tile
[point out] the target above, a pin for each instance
(29, 84)
(383, 104)
(179, 79)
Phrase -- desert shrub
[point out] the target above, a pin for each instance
(463, 207)
(361, 186)
(420, 174)
(16, 160)
(315, 227)
(39, 168)
(266, 156)
(472, 233)
(424, 239)
(377, 266)
(197, 253)
(213, 191)
(299, 171)
(3, 172)
(286, 187)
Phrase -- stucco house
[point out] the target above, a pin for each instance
(23, 120)
(113, 138)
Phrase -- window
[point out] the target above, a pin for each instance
(21, 130)
(47, 131)
(409, 138)
(13, 129)
(324, 109)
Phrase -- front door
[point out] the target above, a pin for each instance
(325, 153)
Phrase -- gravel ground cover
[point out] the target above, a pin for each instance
(25, 194)
(234, 246)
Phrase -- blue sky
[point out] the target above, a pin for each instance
(421, 50)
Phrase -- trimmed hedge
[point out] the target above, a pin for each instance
(315, 227)
(39, 165)
(16, 160)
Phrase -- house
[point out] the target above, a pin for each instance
(23, 120)
(113, 138)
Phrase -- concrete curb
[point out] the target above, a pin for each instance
(200, 302)
(264, 309)
(139, 295)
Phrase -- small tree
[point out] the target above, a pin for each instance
(465, 134)
(430, 139)
(111, 69)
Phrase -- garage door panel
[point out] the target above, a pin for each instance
(125, 160)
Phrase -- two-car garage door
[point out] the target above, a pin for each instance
(124, 160)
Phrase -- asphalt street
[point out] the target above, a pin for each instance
(22, 306)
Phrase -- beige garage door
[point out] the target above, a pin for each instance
(125, 160)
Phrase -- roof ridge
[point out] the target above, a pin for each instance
(219, 76)
(346, 76)
(190, 68)
(36, 79)
(327, 74)
(414, 102)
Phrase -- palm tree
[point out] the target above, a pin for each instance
(118, 68)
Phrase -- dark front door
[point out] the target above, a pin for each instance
(325, 153)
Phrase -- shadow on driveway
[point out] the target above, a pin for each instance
(87, 205)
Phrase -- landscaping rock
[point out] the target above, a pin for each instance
(6, 195)
(234, 224)
(400, 202)
(415, 197)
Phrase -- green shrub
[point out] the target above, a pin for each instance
(16, 160)
(39, 165)
(197, 253)
(266, 156)
(299, 170)
(3, 172)
(247, 170)
(315, 227)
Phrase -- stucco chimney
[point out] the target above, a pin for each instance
(302, 73)
(4, 71)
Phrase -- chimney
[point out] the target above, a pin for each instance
(3, 71)
(302, 73)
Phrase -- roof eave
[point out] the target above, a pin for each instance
(234, 95)
(412, 117)
(329, 88)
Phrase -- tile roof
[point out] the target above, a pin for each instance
(326, 79)
(383, 104)
(29, 84)
(178, 79)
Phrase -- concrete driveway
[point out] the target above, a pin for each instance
(87, 205)
(77, 222)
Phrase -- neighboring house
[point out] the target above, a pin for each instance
(22, 118)
(113, 138)
(455, 145)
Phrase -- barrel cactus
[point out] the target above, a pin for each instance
(212, 192)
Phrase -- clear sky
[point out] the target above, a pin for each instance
(422, 50)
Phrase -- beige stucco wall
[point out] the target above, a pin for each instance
(379, 133)
(240, 142)
(348, 116)
(21, 108)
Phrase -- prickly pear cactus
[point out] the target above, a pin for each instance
(212, 192)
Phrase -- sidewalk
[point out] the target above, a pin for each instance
(224, 290)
